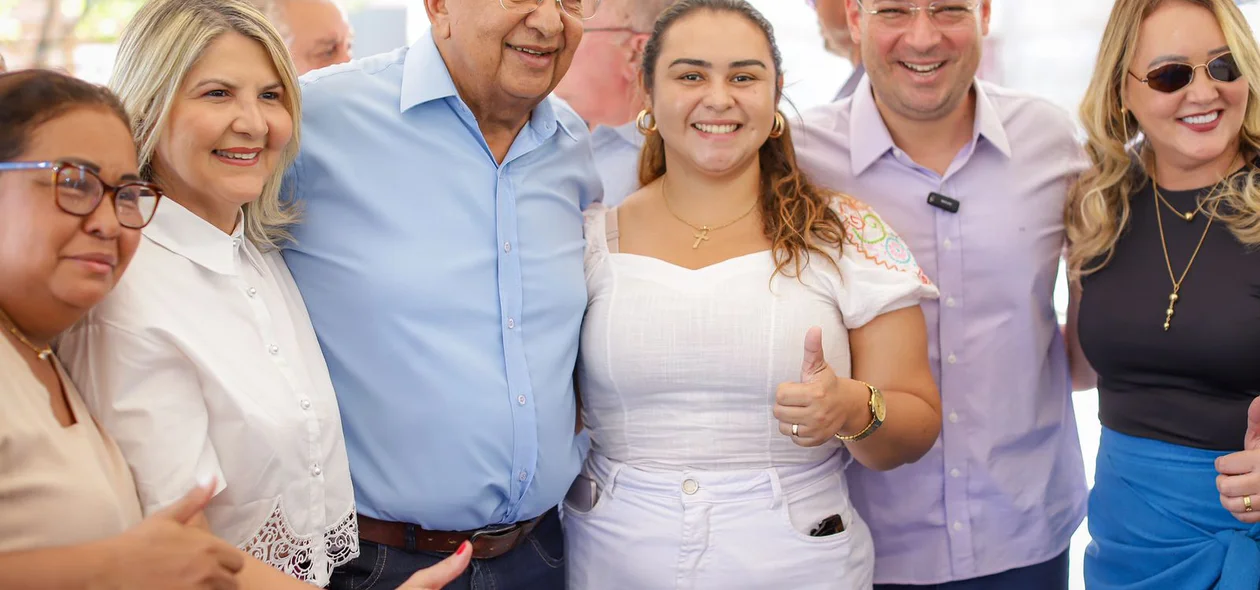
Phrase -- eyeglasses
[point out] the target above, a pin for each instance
(79, 191)
(1175, 76)
(899, 14)
(614, 30)
(579, 9)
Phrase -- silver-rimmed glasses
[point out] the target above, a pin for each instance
(898, 14)
(579, 9)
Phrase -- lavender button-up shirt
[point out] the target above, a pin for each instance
(1004, 486)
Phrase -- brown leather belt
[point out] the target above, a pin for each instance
(487, 543)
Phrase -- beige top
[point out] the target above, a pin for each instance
(58, 485)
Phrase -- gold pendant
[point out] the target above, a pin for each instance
(700, 236)
(1189, 216)
(1168, 314)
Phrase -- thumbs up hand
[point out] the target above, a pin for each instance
(821, 404)
(1239, 479)
(164, 551)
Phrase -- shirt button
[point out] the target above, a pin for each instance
(315, 470)
(690, 487)
(507, 246)
(953, 417)
(511, 323)
(273, 349)
(948, 244)
(306, 404)
(958, 526)
(523, 476)
(952, 359)
(252, 291)
(949, 302)
(520, 399)
(955, 472)
(236, 242)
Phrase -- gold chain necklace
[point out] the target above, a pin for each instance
(43, 353)
(1176, 282)
(1198, 205)
(702, 231)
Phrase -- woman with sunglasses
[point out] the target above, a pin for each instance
(1163, 232)
(71, 208)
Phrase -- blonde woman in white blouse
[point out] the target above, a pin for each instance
(747, 335)
(203, 361)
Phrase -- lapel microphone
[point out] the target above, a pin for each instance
(942, 202)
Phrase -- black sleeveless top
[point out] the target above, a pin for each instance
(1189, 385)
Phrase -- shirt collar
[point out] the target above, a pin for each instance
(866, 122)
(426, 78)
(627, 133)
(182, 232)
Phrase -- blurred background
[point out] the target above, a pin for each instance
(1046, 48)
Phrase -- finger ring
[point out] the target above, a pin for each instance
(796, 428)
(1247, 503)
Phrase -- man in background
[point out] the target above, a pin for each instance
(316, 31)
(603, 87)
(833, 23)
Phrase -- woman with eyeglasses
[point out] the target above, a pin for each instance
(71, 208)
(1163, 232)
(203, 362)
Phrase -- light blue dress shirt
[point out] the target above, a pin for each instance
(447, 290)
(617, 158)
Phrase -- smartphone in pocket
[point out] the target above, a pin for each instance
(583, 494)
(832, 525)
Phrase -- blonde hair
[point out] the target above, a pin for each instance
(159, 47)
(1098, 204)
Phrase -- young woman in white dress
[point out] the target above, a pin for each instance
(203, 362)
(747, 334)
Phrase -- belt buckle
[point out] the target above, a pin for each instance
(492, 532)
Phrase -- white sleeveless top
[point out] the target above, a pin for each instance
(679, 367)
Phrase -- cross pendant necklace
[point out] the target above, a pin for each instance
(700, 236)
(702, 231)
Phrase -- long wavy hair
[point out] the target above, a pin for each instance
(1098, 204)
(159, 47)
(796, 215)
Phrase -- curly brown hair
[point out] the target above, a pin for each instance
(796, 214)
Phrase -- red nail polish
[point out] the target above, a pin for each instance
(462, 548)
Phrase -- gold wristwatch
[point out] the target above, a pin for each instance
(878, 412)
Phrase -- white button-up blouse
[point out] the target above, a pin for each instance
(203, 362)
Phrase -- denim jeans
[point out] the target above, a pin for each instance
(1049, 575)
(537, 563)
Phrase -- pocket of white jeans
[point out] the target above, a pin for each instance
(803, 509)
(584, 497)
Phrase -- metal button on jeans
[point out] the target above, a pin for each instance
(690, 487)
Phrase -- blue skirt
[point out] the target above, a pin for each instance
(1157, 522)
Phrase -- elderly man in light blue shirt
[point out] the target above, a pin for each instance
(603, 87)
(440, 257)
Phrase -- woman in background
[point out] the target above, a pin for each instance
(1163, 231)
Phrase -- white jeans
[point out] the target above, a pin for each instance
(728, 530)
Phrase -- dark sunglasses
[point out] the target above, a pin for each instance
(1175, 76)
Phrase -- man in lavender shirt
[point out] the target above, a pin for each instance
(974, 178)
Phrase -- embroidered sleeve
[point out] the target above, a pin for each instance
(878, 273)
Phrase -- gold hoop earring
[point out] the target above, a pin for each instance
(642, 122)
(1124, 125)
(780, 125)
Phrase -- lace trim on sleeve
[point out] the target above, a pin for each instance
(866, 232)
(305, 557)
